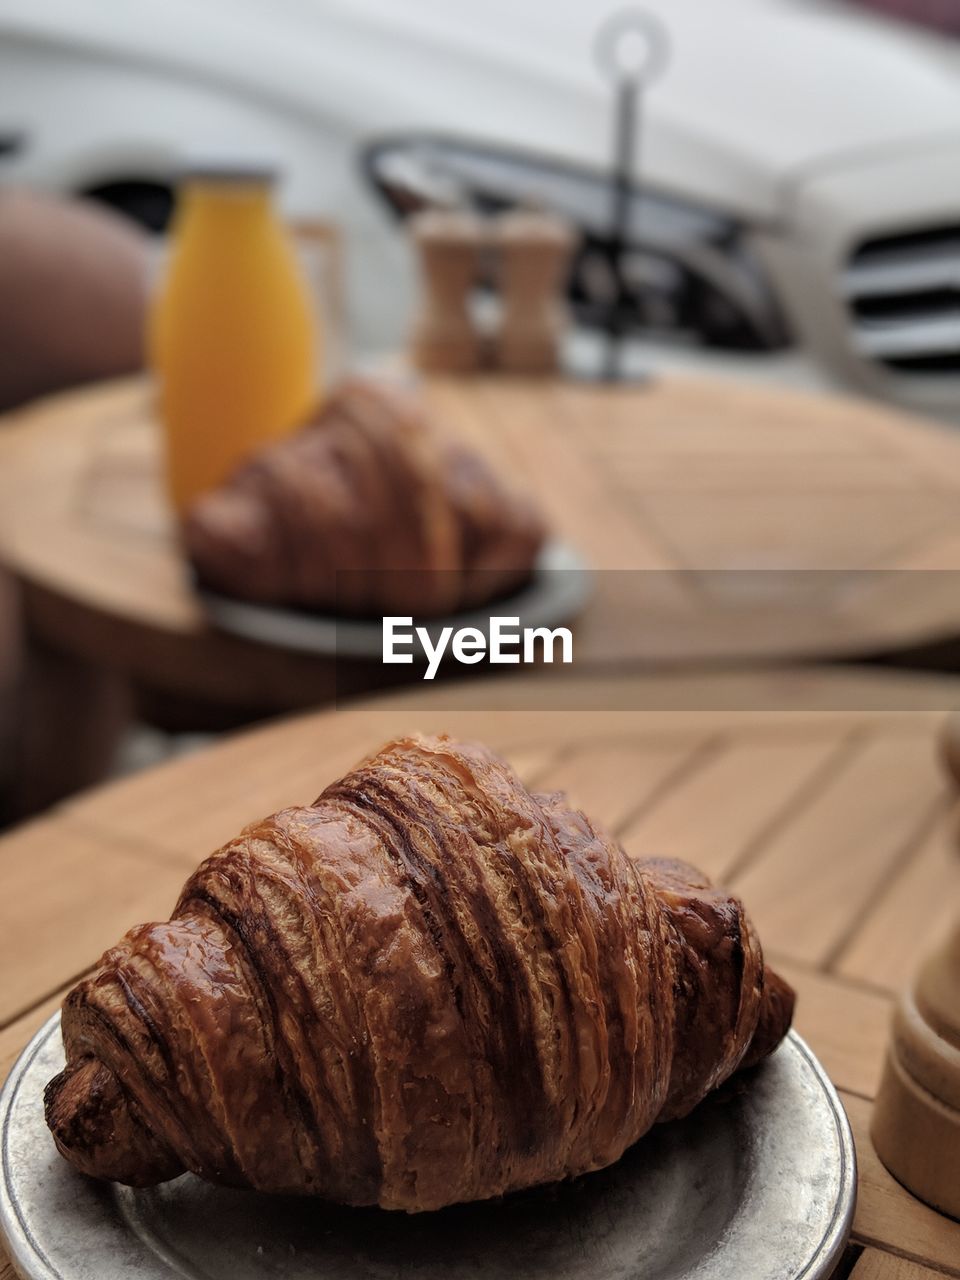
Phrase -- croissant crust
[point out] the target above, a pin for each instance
(430, 986)
(365, 511)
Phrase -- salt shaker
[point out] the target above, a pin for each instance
(533, 257)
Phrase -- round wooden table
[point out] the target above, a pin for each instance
(818, 796)
(681, 491)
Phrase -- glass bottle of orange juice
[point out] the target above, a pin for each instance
(233, 336)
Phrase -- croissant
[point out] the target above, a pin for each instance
(364, 512)
(430, 986)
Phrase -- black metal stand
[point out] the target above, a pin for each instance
(629, 80)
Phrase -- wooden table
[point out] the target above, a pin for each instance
(686, 480)
(838, 827)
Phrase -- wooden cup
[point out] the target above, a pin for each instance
(916, 1118)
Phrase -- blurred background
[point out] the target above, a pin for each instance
(800, 207)
(792, 218)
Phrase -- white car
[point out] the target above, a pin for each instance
(801, 162)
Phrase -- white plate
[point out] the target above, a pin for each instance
(757, 1184)
(555, 594)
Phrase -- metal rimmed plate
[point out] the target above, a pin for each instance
(555, 594)
(759, 1182)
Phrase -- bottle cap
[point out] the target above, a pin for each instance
(227, 166)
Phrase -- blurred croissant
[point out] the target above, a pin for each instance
(364, 511)
(429, 986)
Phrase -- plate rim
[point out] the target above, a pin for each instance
(557, 555)
(9, 1209)
(26, 1252)
(838, 1230)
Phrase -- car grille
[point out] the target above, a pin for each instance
(903, 293)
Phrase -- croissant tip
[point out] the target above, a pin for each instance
(89, 1116)
(776, 1015)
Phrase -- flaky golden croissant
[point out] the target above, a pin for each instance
(365, 511)
(429, 986)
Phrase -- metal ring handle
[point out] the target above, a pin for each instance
(632, 45)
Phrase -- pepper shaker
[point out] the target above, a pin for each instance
(450, 244)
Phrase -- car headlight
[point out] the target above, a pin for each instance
(689, 271)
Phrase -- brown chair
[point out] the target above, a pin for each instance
(73, 288)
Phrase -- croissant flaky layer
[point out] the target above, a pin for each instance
(365, 511)
(430, 986)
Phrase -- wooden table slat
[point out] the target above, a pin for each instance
(17, 1034)
(847, 1025)
(874, 1265)
(810, 885)
(616, 781)
(714, 818)
(918, 905)
(92, 889)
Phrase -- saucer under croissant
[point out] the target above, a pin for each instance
(430, 990)
(370, 509)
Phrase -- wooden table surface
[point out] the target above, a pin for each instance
(838, 827)
(680, 479)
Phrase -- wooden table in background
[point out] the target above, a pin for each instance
(681, 478)
(838, 827)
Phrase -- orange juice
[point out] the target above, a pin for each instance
(233, 337)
